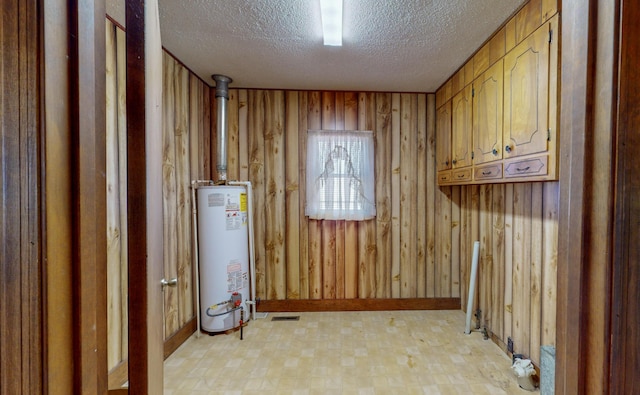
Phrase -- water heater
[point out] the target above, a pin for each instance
(223, 255)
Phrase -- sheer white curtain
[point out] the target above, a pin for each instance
(340, 175)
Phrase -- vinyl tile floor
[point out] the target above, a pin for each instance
(388, 352)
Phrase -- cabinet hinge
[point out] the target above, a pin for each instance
(473, 92)
(550, 36)
(549, 135)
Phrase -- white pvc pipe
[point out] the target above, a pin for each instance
(252, 261)
(472, 285)
(194, 210)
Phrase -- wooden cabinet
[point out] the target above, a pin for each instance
(492, 171)
(461, 128)
(443, 138)
(461, 175)
(444, 177)
(502, 126)
(536, 166)
(487, 115)
(526, 95)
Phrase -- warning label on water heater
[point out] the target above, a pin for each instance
(232, 211)
(243, 202)
(243, 208)
(234, 220)
(215, 199)
(235, 207)
(236, 279)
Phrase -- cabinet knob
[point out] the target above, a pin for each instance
(507, 148)
(446, 163)
(454, 161)
(495, 151)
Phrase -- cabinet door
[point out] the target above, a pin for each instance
(443, 137)
(526, 94)
(461, 128)
(487, 115)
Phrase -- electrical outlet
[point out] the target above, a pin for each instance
(510, 344)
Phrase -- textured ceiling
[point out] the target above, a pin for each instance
(388, 45)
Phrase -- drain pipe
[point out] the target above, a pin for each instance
(472, 285)
(222, 97)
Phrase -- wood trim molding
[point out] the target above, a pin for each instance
(176, 340)
(59, 206)
(144, 184)
(303, 305)
(119, 375)
(579, 38)
(625, 318)
(574, 94)
(88, 153)
(137, 199)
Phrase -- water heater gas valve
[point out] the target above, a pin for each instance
(236, 299)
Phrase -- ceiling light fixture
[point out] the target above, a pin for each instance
(331, 11)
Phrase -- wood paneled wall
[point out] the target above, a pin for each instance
(393, 256)
(517, 226)
(116, 140)
(186, 156)
(186, 139)
(22, 297)
(420, 244)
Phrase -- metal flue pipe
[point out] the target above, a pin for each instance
(222, 97)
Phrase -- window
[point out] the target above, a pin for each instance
(340, 175)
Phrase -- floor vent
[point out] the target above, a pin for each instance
(286, 318)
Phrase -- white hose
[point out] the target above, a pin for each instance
(472, 285)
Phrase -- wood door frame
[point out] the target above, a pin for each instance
(58, 232)
(626, 252)
(144, 214)
(73, 123)
(576, 99)
(88, 175)
(136, 198)
(599, 93)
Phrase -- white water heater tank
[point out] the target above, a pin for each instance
(223, 248)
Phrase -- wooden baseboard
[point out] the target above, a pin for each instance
(497, 341)
(119, 375)
(308, 305)
(171, 344)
